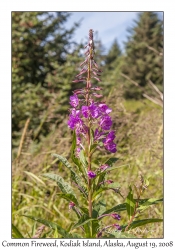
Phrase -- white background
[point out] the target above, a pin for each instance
(6, 6)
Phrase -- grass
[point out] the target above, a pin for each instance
(138, 126)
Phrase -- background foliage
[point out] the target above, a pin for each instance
(45, 60)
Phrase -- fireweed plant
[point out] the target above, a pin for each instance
(91, 124)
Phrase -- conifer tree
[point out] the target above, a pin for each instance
(38, 39)
(40, 51)
(113, 54)
(144, 61)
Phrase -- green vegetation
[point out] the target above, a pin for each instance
(44, 62)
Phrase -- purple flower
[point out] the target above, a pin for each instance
(78, 140)
(98, 134)
(74, 101)
(74, 121)
(81, 128)
(75, 112)
(111, 147)
(104, 167)
(91, 174)
(94, 110)
(106, 122)
(117, 226)
(116, 216)
(104, 108)
(110, 137)
(85, 111)
(71, 204)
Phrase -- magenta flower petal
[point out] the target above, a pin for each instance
(106, 122)
(111, 147)
(104, 108)
(71, 204)
(116, 216)
(104, 167)
(85, 111)
(94, 110)
(74, 101)
(118, 227)
(91, 174)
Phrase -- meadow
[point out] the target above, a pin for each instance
(55, 147)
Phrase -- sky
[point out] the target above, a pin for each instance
(109, 25)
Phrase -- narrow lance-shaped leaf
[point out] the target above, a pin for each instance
(70, 197)
(16, 233)
(74, 175)
(102, 189)
(130, 203)
(118, 208)
(139, 223)
(111, 169)
(76, 160)
(148, 203)
(122, 207)
(83, 220)
(83, 161)
(64, 186)
(52, 225)
(111, 161)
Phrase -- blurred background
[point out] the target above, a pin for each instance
(47, 48)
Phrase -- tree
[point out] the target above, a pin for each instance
(143, 60)
(40, 52)
(113, 54)
(38, 39)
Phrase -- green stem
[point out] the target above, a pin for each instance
(88, 137)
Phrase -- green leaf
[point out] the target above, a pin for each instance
(63, 160)
(121, 235)
(102, 189)
(79, 184)
(111, 161)
(55, 234)
(34, 228)
(95, 227)
(73, 147)
(52, 225)
(122, 207)
(99, 208)
(130, 203)
(93, 146)
(83, 160)
(76, 236)
(118, 208)
(74, 175)
(148, 203)
(16, 233)
(83, 220)
(111, 169)
(64, 186)
(116, 167)
(70, 197)
(139, 223)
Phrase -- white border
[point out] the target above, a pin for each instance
(5, 94)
